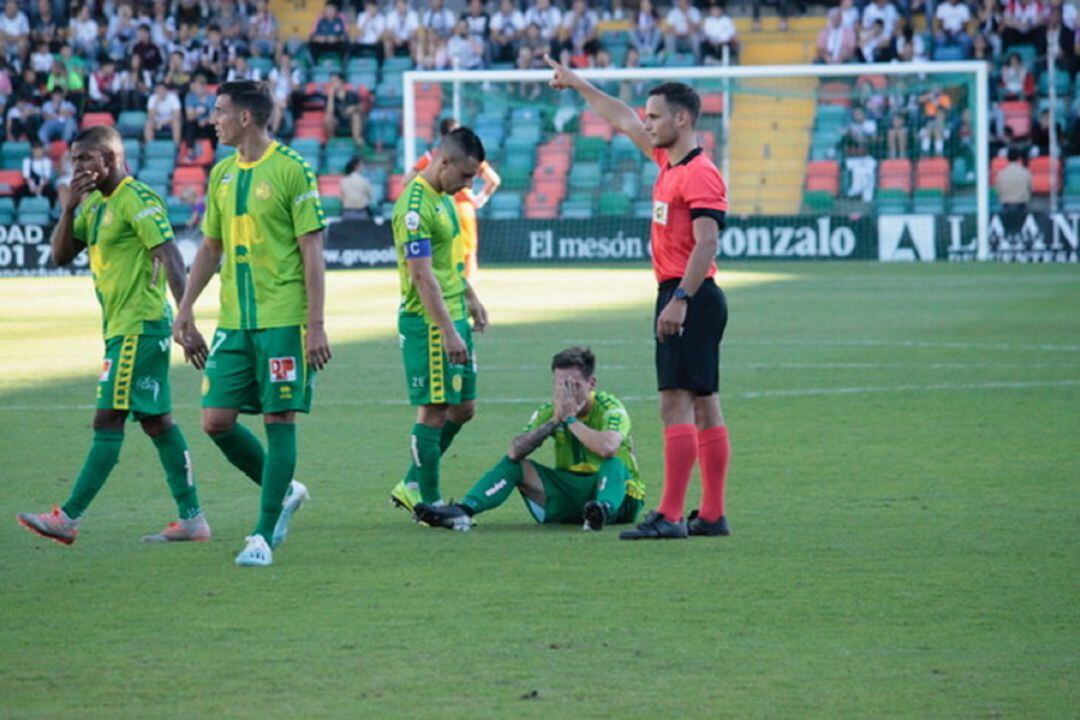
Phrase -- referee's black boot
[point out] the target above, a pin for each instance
(698, 525)
(657, 527)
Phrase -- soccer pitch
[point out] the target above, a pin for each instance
(903, 496)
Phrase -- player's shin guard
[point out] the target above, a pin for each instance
(714, 449)
(611, 485)
(277, 474)
(243, 450)
(495, 487)
(176, 460)
(425, 458)
(680, 452)
(104, 452)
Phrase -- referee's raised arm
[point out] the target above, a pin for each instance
(621, 116)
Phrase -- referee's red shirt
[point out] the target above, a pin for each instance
(693, 187)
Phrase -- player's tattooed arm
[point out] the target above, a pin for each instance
(524, 444)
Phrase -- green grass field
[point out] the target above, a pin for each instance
(904, 498)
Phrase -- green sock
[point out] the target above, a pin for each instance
(104, 452)
(611, 485)
(243, 450)
(495, 487)
(173, 451)
(450, 429)
(425, 453)
(277, 474)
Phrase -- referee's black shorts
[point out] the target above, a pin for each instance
(691, 361)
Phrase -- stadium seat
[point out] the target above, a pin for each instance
(576, 210)
(95, 119)
(589, 149)
(592, 125)
(204, 153)
(819, 201)
(895, 174)
(932, 172)
(131, 123)
(835, 93)
(192, 176)
(929, 201)
(159, 149)
(33, 218)
(331, 206)
(823, 175)
(1045, 174)
(12, 154)
(613, 205)
(996, 166)
(712, 104)
(515, 178)
(330, 185)
(1017, 117)
(56, 150)
(11, 182)
(7, 210)
(394, 187)
(585, 176)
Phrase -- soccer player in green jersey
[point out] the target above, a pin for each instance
(436, 304)
(263, 224)
(125, 227)
(595, 480)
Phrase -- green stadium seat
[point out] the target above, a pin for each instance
(159, 149)
(34, 204)
(643, 209)
(589, 149)
(34, 218)
(585, 176)
(819, 201)
(962, 204)
(515, 178)
(929, 201)
(1062, 84)
(131, 123)
(576, 210)
(12, 154)
(331, 206)
(613, 205)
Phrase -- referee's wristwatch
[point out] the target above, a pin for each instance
(681, 294)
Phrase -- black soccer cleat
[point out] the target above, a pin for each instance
(451, 517)
(596, 516)
(700, 526)
(657, 527)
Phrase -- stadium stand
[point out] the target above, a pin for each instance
(558, 159)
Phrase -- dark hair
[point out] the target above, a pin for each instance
(353, 163)
(447, 125)
(251, 96)
(575, 357)
(101, 136)
(1015, 154)
(464, 141)
(680, 96)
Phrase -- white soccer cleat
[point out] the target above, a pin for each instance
(297, 496)
(194, 530)
(256, 554)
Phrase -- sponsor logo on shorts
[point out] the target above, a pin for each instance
(285, 392)
(456, 383)
(282, 369)
(149, 384)
(164, 343)
(659, 212)
(106, 368)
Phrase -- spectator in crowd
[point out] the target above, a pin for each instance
(329, 35)
(7, 89)
(214, 55)
(240, 69)
(344, 114)
(58, 119)
(951, 20)
(849, 14)
(149, 54)
(176, 75)
(286, 83)
(187, 43)
(683, 29)
(897, 138)
(980, 49)
(83, 32)
(162, 25)
(41, 61)
(718, 32)
(909, 45)
(935, 102)
(14, 30)
(23, 120)
(862, 169)
(45, 26)
(67, 79)
(234, 25)
(163, 114)
(547, 18)
(933, 135)
(479, 23)
(1013, 184)
(437, 20)
(191, 197)
(884, 11)
(1059, 43)
(507, 28)
(782, 10)
(1022, 23)
(431, 52)
(37, 170)
(1016, 82)
(263, 30)
(191, 12)
(465, 51)
(534, 40)
(120, 33)
(836, 44)
(578, 32)
(135, 84)
(645, 34)
(370, 28)
(104, 90)
(861, 131)
(874, 44)
(402, 25)
(989, 21)
(198, 108)
(1043, 134)
(357, 195)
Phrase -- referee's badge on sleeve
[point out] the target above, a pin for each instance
(659, 212)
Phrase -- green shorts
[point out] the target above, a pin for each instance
(135, 375)
(429, 375)
(258, 371)
(567, 492)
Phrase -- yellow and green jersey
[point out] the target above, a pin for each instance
(426, 224)
(607, 413)
(120, 232)
(258, 210)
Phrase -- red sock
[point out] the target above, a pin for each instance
(714, 449)
(680, 452)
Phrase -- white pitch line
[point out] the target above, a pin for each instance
(1042, 347)
(746, 395)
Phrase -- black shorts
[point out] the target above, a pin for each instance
(691, 361)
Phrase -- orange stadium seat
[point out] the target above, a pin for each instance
(330, 185)
(192, 176)
(712, 104)
(1017, 117)
(94, 119)
(592, 125)
(11, 182)
(823, 175)
(204, 153)
(932, 173)
(395, 186)
(1045, 174)
(836, 93)
(57, 148)
(996, 166)
(895, 174)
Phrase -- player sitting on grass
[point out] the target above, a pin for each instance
(595, 479)
(126, 228)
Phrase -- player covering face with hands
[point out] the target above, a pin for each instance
(689, 209)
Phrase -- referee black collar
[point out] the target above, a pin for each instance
(689, 156)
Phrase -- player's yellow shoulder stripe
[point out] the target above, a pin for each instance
(416, 195)
(151, 199)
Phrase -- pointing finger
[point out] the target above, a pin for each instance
(551, 63)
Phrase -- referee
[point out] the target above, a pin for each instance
(689, 205)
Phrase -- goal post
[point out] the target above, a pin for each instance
(773, 130)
